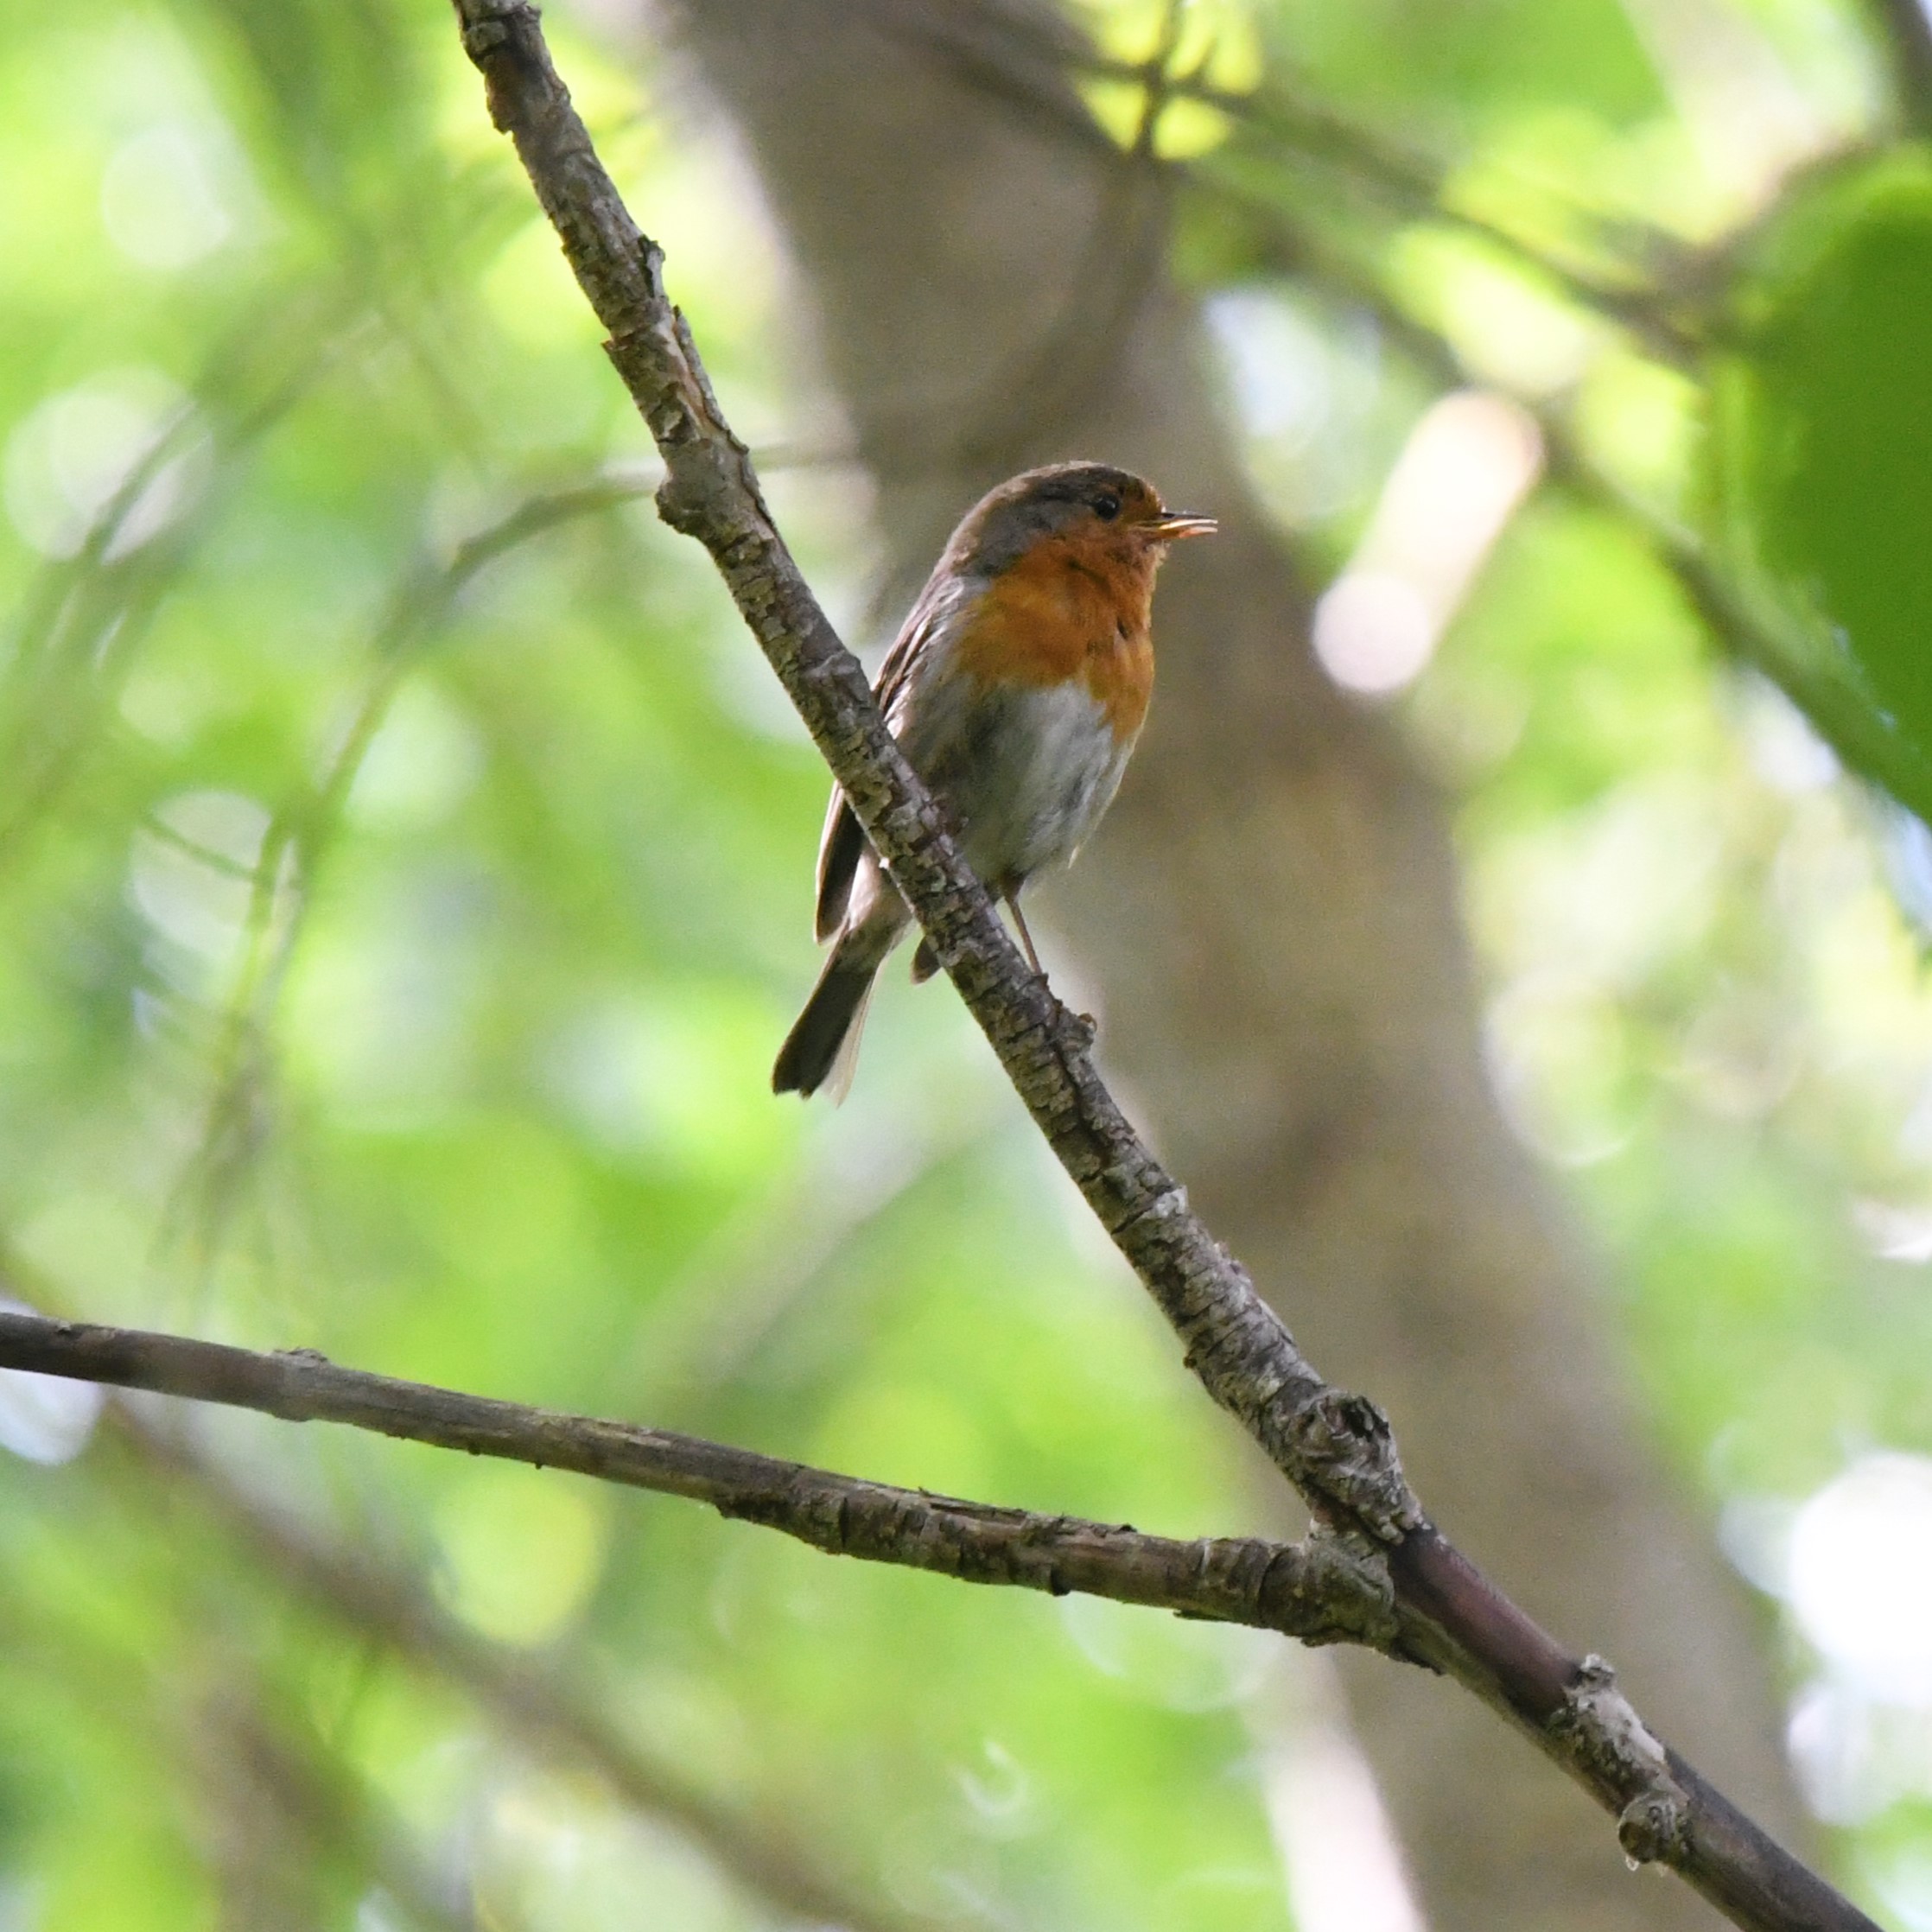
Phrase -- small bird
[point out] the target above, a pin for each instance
(1016, 689)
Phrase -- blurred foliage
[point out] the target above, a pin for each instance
(402, 862)
(1830, 419)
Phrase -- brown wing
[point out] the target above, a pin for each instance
(839, 847)
(843, 839)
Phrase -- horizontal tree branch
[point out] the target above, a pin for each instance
(1337, 1449)
(1316, 1590)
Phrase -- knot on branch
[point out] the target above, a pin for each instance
(1078, 1031)
(1608, 1738)
(1655, 1826)
(500, 35)
(1346, 1452)
(1339, 1591)
(486, 24)
(484, 37)
(711, 490)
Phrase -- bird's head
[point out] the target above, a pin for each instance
(1085, 507)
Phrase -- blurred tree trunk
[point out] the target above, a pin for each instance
(1269, 916)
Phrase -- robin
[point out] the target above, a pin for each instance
(1016, 688)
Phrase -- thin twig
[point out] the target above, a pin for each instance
(1032, 68)
(86, 617)
(297, 840)
(379, 1598)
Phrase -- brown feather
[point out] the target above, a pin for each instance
(844, 840)
(840, 847)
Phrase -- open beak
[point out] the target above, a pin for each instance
(1172, 524)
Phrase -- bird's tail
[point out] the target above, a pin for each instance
(822, 1050)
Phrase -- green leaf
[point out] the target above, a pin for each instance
(1826, 425)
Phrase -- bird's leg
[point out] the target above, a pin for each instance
(1085, 1021)
(1012, 899)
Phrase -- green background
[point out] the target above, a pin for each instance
(404, 862)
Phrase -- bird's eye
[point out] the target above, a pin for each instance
(1107, 506)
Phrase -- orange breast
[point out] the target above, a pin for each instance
(1065, 611)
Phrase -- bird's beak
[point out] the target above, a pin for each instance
(1172, 524)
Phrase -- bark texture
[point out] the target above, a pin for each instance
(1269, 915)
(1318, 1590)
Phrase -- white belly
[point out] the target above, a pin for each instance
(1027, 773)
